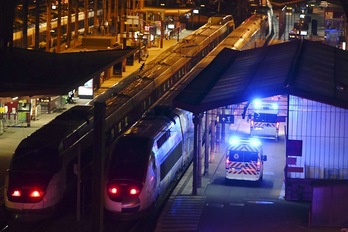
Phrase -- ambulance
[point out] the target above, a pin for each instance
(245, 160)
(264, 120)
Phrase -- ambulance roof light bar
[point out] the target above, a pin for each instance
(235, 140)
(258, 104)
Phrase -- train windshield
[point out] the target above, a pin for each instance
(130, 158)
(243, 156)
(36, 161)
(262, 117)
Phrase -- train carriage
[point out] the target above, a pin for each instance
(137, 175)
(40, 168)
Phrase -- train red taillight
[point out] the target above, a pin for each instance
(36, 194)
(134, 191)
(117, 191)
(16, 193)
(113, 190)
(24, 195)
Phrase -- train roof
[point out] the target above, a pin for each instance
(52, 134)
(155, 120)
(148, 127)
(301, 68)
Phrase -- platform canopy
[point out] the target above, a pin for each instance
(302, 68)
(30, 73)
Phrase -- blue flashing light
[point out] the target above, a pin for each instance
(274, 106)
(255, 142)
(234, 140)
(257, 103)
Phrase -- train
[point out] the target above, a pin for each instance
(133, 185)
(43, 164)
(18, 34)
(136, 176)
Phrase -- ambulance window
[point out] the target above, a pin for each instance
(261, 117)
(250, 156)
(243, 156)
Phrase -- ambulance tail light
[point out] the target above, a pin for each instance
(227, 161)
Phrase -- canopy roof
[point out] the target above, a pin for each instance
(302, 68)
(28, 72)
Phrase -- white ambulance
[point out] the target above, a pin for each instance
(244, 160)
(264, 120)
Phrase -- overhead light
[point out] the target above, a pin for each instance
(14, 98)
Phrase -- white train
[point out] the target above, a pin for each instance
(133, 185)
(146, 159)
(42, 166)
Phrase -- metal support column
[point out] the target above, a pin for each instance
(196, 149)
(207, 144)
(98, 166)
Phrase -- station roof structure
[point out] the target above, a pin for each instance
(303, 68)
(33, 73)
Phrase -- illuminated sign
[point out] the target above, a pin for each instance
(87, 89)
(226, 118)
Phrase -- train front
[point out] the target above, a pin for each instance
(32, 183)
(131, 177)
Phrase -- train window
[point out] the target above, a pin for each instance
(119, 127)
(126, 121)
(163, 138)
(176, 76)
(149, 101)
(112, 133)
(128, 160)
(170, 161)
